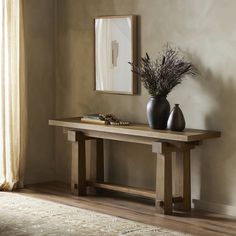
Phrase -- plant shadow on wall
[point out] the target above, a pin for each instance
(217, 180)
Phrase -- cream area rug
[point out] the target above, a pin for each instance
(23, 215)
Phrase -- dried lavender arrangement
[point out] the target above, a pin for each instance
(159, 77)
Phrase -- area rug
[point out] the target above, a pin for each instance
(23, 215)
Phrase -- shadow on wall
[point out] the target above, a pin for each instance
(218, 178)
(131, 164)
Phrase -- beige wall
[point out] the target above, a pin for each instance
(39, 45)
(205, 29)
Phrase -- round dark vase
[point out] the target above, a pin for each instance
(176, 121)
(158, 110)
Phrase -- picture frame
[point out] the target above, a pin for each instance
(115, 43)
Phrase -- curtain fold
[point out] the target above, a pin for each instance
(23, 99)
(12, 105)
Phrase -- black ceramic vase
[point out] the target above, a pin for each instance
(158, 110)
(176, 121)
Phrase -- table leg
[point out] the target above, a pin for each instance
(100, 161)
(163, 179)
(183, 179)
(178, 178)
(78, 165)
(186, 181)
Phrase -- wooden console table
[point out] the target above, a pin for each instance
(164, 143)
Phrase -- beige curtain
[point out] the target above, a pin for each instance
(12, 100)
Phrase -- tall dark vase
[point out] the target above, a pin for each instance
(158, 110)
(176, 121)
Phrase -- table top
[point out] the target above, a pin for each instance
(142, 130)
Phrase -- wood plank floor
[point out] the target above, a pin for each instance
(141, 210)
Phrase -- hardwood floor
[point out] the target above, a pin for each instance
(141, 210)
